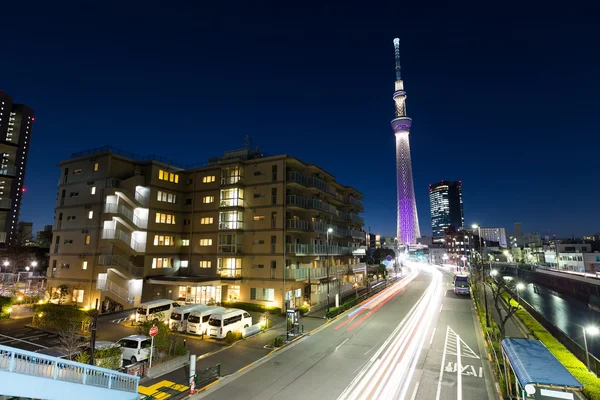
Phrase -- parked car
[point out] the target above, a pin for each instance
(135, 347)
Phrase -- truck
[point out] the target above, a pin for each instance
(462, 285)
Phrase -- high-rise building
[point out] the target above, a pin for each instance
(25, 233)
(244, 227)
(16, 122)
(44, 238)
(445, 200)
(494, 235)
(407, 224)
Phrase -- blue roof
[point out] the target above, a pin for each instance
(534, 364)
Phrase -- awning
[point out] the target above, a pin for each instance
(533, 364)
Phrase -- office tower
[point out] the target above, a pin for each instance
(16, 122)
(445, 200)
(407, 224)
(244, 227)
(494, 235)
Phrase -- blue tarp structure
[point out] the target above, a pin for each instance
(533, 364)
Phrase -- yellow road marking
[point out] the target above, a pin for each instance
(152, 390)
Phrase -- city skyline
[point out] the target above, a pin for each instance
(165, 91)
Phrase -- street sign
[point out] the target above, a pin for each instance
(153, 330)
(389, 258)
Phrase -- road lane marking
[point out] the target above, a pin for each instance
(24, 341)
(432, 335)
(414, 395)
(439, 388)
(341, 344)
(466, 349)
(370, 350)
(458, 370)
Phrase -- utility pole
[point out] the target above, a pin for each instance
(93, 336)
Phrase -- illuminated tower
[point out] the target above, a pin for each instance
(407, 228)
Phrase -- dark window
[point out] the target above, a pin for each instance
(257, 195)
(273, 195)
(188, 201)
(274, 172)
(273, 264)
(257, 173)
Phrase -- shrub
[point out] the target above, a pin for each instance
(166, 343)
(83, 357)
(233, 337)
(251, 307)
(54, 317)
(303, 310)
(5, 303)
(108, 357)
(277, 341)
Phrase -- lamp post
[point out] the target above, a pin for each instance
(487, 316)
(592, 330)
(329, 230)
(520, 287)
(355, 286)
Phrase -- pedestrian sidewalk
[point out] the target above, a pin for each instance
(513, 328)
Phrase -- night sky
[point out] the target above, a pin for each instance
(503, 99)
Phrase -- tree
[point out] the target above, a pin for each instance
(69, 338)
(498, 289)
(381, 253)
(61, 293)
(382, 270)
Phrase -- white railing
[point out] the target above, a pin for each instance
(124, 237)
(355, 202)
(43, 366)
(118, 290)
(109, 260)
(317, 249)
(114, 208)
(144, 200)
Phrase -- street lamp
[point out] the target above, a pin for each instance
(494, 272)
(592, 330)
(355, 286)
(487, 316)
(464, 260)
(520, 287)
(329, 230)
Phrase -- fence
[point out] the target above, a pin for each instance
(182, 388)
(561, 336)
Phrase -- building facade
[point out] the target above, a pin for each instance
(16, 125)
(497, 235)
(244, 227)
(446, 204)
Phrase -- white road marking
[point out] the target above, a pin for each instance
(368, 351)
(458, 370)
(414, 395)
(24, 341)
(432, 335)
(441, 306)
(341, 344)
(439, 388)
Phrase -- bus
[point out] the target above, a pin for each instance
(180, 315)
(223, 323)
(197, 322)
(155, 311)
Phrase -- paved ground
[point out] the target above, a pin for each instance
(381, 350)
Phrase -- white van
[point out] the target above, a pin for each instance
(221, 324)
(179, 316)
(197, 322)
(135, 347)
(157, 310)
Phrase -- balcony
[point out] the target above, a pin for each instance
(123, 236)
(298, 201)
(354, 202)
(312, 181)
(121, 209)
(5, 204)
(355, 218)
(229, 225)
(316, 249)
(128, 266)
(304, 274)
(357, 234)
(105, 284)
(321, 205)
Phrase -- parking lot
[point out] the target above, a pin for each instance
(20, 336)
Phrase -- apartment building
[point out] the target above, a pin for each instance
(16, 125)
(244, 227)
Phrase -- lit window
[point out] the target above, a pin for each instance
(208, 199)
(206, 220)
(96, 166)
(205, 264)
(77, 295)
(162, 218)
(205, 242)
(184, 263)
(93, 190)
(208, 179)
(163, 240)
(90, 214)
(84, 265)
(168, 176)
(87, 239)
(259, 217)
(185, 242)
(163, 262)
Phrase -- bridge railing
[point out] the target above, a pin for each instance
(43, 366)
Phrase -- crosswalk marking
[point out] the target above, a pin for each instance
(465, 350)
(119, 320)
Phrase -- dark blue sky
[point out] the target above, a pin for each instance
(504, 99)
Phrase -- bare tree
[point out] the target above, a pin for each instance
(17, 255)
(498, 289)
(69, 338)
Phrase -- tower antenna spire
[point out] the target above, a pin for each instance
(397, 54)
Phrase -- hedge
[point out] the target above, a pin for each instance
(5, 303)
(56, 318)
(590, 382)
(252, 307)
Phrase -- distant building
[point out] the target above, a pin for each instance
(494, 235)
(25, 232)
(425, 240)
(43, 238)
(459, 243)
(16, 124)
(518, 228)
(445, 200)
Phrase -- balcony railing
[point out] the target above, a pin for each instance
(111, 260)
(302, 274)
(231, 225)
(114, 208)
(316, 249)
(230, 273)
(5, 203)
(310, 181)
(299, 201)
(321, 205)
(357, 234)
(354, 202)
(124, 237)
(232, 202)
(355, 218)
(144, 200)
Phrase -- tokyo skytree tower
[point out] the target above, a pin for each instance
(407, 228)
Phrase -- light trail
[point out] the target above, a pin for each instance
(387, 374)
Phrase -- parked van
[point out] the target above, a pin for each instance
(197, 322)
(157, 310)
(223, 323)
(462, 285)
(179, 316)
(135, 347)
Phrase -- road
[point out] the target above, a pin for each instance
(380, 350)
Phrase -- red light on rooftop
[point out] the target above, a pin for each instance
(23, 190)
(33, 118)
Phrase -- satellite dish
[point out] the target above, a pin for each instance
(530, 389)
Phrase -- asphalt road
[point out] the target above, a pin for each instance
(386, 349)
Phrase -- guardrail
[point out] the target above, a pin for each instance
(43, 366)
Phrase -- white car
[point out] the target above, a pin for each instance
(135, 347)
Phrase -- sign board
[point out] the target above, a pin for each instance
(153, 330)
(389, 258)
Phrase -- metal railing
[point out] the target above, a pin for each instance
(110, 260)
(114, 208)
(357, 234)
(300, 201)
(317, 249)
(144, 200)
(231, 225)
(118, 290)
(355, 202)
(300, 274)
(321, 205)
(43, 366)
(355, 218)
(124, 237)
(310, 181)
